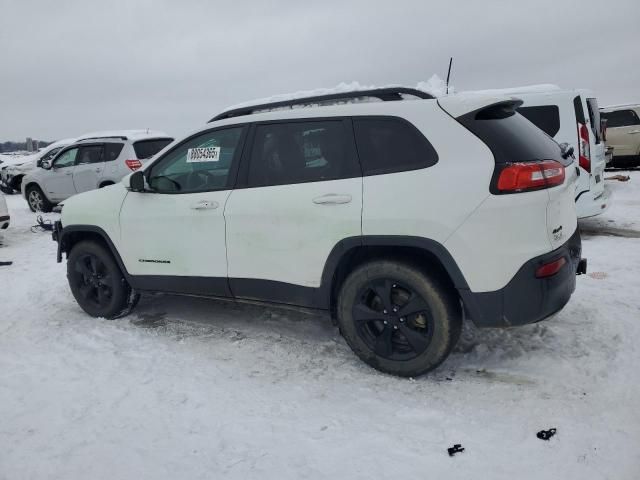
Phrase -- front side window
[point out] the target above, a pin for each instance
(50, 154)
(90, 154)
(200, 164)
(299, 152)
(66, 159)
(621, 118)
(388, 145)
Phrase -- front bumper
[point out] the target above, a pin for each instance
(527, 299)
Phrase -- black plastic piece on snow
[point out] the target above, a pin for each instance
(457, 448)
(546, 434)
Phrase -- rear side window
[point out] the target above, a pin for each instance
(299, 152)
(148, 148)
(545, 117)
(594, 117)
(90, 154)
(621, 118)
(388, 145)
(112, 151)
(510, 136)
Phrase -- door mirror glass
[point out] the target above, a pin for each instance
(136, 182)
(46, 164)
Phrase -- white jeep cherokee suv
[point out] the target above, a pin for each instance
(88, 164)
(398, 217)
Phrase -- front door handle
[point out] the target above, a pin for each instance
(332, 199)
(634, 131)
(205, 205)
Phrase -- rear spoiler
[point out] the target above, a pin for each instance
(462, 104)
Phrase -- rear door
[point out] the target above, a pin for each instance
(299, 196)
(89, 167)
(623, 132)
(598, 148)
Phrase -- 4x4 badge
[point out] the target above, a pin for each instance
(557, 233)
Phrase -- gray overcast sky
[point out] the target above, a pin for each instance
(68, 67)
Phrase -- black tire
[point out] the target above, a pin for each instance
(37, 201)
(398, 319)
(97, 283)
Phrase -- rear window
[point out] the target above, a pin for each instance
(594, 117)
(391, 145)
(620, 118)
(545, 117)
(148, 148)
(510, 136)
(577, 106)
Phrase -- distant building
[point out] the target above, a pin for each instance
(29, 144)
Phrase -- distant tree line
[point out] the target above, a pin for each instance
(13, 146)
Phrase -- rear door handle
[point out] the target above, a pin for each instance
(332, 199)
(205, 205)
(634, 131)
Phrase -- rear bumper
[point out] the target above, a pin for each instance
(589, 206)
(527, 299)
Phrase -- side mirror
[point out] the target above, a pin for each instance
(46, 164)
(136, 182)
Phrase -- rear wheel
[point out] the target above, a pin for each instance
(37, 201)
(97, 283)
(398, 319)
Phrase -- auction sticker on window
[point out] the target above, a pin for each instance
(204, 154)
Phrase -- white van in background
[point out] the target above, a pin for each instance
(572, 117)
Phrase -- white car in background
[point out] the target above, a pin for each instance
(12, 173)
(88, 164)
(571, 117)
(4, 213)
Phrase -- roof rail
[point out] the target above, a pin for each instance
(384, 94)
(119, 137)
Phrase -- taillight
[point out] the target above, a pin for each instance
(551, 268)
(523, 177)
(583, 147)
(133, 164)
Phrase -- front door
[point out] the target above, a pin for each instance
(302, 195)
(174, 235)
(58, 183)
(89, 167)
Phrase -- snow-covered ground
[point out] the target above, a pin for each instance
(188, 388)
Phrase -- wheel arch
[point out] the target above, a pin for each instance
(352, 252)
(73, 234)
(106, 183)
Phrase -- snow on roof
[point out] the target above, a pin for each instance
(130, 134)
(622, 105)
(434, 86)
(540, 88)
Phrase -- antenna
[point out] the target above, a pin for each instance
(449, 73)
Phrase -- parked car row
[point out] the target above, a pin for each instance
(399, 217)
(78, 165)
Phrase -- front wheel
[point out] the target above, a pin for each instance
(37, 201)
(398, 319)
(97, 283)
